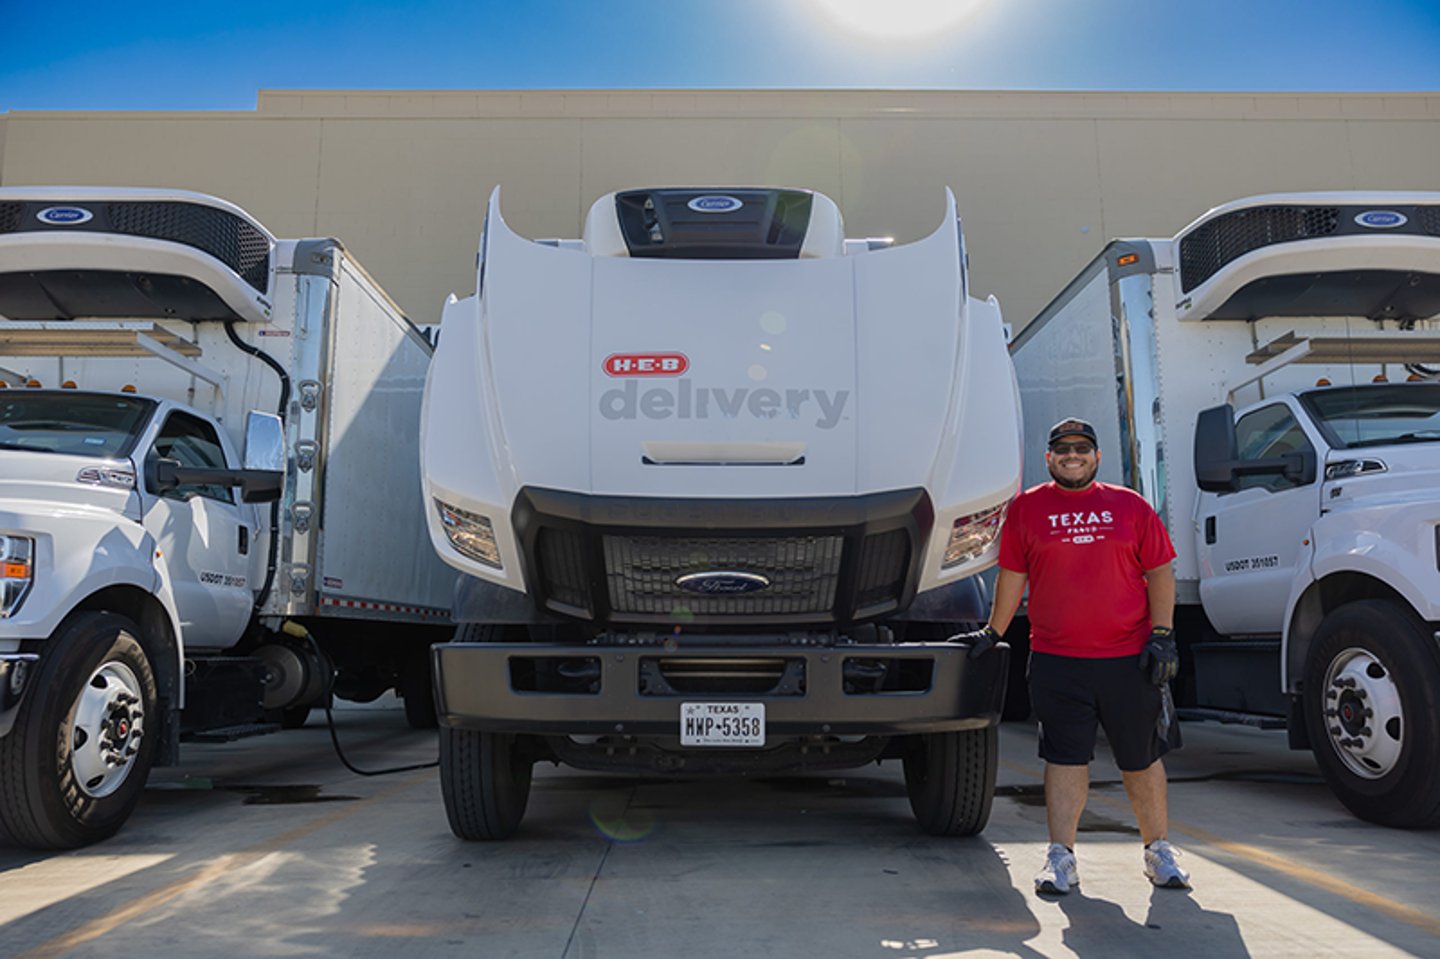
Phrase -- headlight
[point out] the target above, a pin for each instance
(972, 535)
(16, 559)
(470, 533)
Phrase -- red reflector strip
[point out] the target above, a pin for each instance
(425, 611)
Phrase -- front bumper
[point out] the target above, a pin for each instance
(15, 672)
(483, 686)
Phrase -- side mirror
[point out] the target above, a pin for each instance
(1215, 449)
(262, 480)
(1218, 462)
(264, 442)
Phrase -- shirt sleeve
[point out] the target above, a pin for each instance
(1012, 541)
(1153, 542)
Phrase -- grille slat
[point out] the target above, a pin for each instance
(804, 573)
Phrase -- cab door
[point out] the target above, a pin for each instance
(202, 535)
(1251, 540)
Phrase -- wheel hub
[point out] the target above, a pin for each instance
(1363, 715)
(106, 729)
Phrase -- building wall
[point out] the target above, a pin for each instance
(1041, 179)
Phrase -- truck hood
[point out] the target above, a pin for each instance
(648, 377)
(43, 481)
(1381, 475)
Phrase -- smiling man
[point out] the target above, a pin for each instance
(1102, 601)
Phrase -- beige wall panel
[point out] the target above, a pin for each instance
(1042, 179)
(408, 196)
(1158, 175)
(267, 167)
(1395, 155)
(1027, 192)
(624, 153)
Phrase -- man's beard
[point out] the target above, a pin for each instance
(1081, 483)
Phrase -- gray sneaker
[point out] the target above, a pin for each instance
(1059, 873)
(1161, 868)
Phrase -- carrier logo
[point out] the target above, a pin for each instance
(715, 203)
(723, 581)
(646, 364)
(1381, 219)
(64, 215)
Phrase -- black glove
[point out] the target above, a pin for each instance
(980, 641)
(1159, 656)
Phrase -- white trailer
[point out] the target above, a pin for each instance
(144, 600)
(1300, 333)
(719, 480)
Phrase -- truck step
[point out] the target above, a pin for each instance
(228, 734)
(1257, 720)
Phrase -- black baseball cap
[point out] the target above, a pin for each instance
(1073, 426)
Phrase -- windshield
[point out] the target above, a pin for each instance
(1377, 415)
(80, 424)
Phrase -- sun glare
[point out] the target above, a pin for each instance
(896, 19)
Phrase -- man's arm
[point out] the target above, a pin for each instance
(1160, 585)
(1009, 588)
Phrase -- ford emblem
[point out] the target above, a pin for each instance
(1381, 219)
(715, 203)
(723, 581)
(64, 215)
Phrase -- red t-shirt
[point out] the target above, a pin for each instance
(1085, 553)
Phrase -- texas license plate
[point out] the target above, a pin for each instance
(722, 724)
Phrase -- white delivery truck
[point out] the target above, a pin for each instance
(1267, 379)
(146, 597)
(719, 480)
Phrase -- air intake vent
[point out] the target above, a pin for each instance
(223, 235)
(795, 574)
(1428, 217)
(231, 239)
(714, 224)
(1227, 238)
(884, 560)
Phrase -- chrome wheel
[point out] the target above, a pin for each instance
(107, 725)
(1363, 715)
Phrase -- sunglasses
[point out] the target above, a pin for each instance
(1083, 449)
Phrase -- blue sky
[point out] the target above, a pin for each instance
(212, 55)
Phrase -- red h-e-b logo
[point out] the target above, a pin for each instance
(646, 364)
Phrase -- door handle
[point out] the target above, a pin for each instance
(1209, 531)
(244, 544)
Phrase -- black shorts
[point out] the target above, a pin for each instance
(1071, 696)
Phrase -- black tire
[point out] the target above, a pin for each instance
(94, 664)
(1374, 668)
(417, 692)
(294, 717)
(950, 778)
(484, 777)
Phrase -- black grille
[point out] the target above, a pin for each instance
(561, 557)
(884, 558)
(641, 571)
(1429, 219)
(9, 217)
(806, 561)
(225, 236)
(1229, 237)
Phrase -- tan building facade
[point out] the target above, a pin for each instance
(1042, 180)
